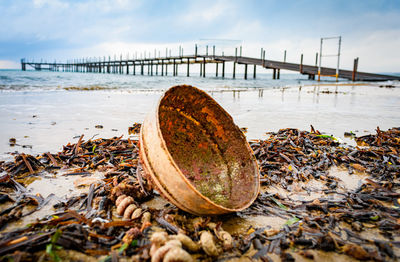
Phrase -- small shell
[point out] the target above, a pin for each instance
(160, 253)
(176, 254)
(159, 238)
(129, 210)
(146, 217)
(271, 232)
(212, 225)
(137, 213)
(123, 204)
(187, 242)
(198, 222)
(119, 199)
(226, 239)
(208, 244)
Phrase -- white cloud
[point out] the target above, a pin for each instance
(50, 3)
(378, 51)
(106, 6)
(206, 12)
(7, 64)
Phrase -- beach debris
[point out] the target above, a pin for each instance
(208, 244)
(12, 141)
(349, 134)
(134, 129)
(171, 251)
(186, 242)
(204, 164)
(99, 126)
(361, 223)
(387, 86)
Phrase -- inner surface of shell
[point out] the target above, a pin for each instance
(209, 149)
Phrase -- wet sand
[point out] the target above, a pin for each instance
(43, 121)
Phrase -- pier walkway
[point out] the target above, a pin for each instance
(162, 66)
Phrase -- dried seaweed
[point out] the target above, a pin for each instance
(335, 221)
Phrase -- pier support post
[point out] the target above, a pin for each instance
(355, 66)
(174, 69)
(162, 67)
(245, 69)
(188, 64)
(254, 72)
(127, 68)
(148, 68)
(301, 64)
(223, 69)
(278, 75)
(157, 68)
(166, 69)
(134, 68)
(142, 68)
(274, 74)
(263, 58)
(216, 69)
(235, 54)
(234, 70)
(204, 65)
(23, 66)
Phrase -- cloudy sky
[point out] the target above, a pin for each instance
(61, 30)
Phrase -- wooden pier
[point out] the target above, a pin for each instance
(168, 65)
